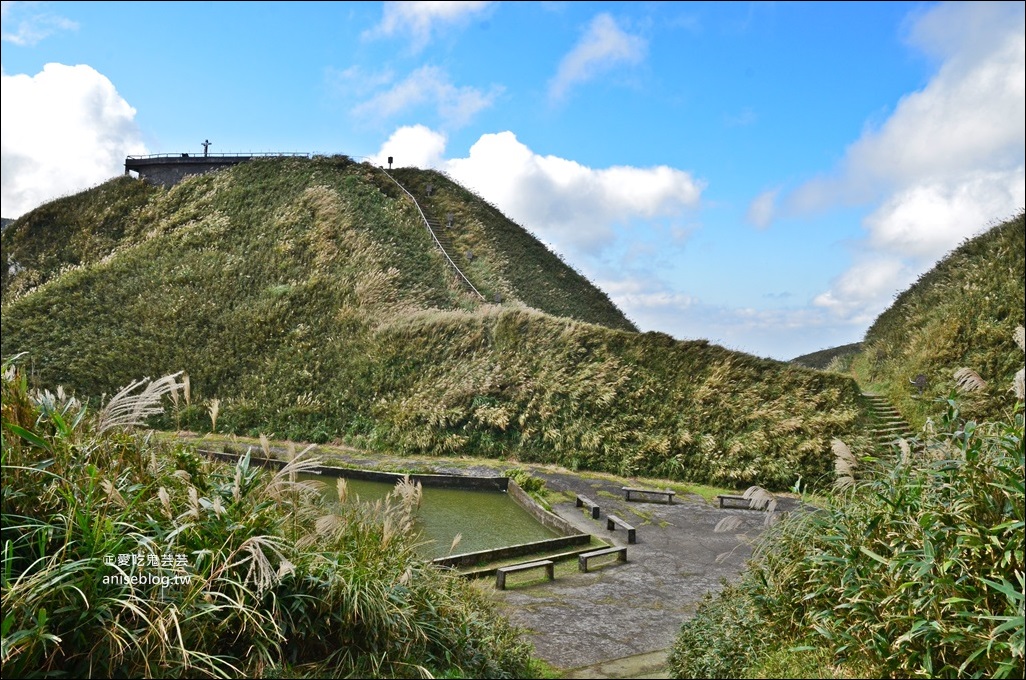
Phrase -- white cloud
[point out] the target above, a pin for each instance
(603, 46)
(414, 146)
(420, 20)
(927, 220)
(762, 209)
(64, 129)
(358, 80)
(24, 27)
(781, 333)
(429, 85)
(746, 117)
(947, 163)
(866, 288)
(572, 206)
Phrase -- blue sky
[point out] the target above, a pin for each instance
(767, 176)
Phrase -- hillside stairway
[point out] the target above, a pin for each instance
(439, 235)
(889, 426)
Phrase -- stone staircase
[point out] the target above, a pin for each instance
(439, 233)
(442, 236)
(888, 426)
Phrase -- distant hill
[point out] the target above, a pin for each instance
(823, 358)
(305, 298)
(961, 313)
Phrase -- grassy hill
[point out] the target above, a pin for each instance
(961, 313)
(304, 297)
(825, 357)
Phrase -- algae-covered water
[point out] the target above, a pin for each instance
(485, 519)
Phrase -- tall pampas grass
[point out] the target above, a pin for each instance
(129, 409)
(967, 381)
(213, 408)
(845, 465)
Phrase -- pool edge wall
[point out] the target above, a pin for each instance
(571, 536)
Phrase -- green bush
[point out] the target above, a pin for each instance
(726, 637)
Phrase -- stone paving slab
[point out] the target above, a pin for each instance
(593, 624)
(640, 667)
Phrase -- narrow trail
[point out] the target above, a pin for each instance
(889, 425)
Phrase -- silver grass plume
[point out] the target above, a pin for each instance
(1018, 385)
(844, 465)
(761, 499)
(126, 409)
(967, 380)
(728, 523)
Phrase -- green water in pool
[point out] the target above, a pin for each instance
(485, 519)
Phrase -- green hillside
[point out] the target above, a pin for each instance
(825, 357)
(304, 298)
(961, 313)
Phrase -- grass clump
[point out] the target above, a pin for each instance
(127, 557)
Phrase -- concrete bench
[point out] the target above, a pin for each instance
(582, 559)
(590, 504)
(613, 520)
(628, 490)
(500, 573)
(735, 501)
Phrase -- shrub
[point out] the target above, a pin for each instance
(726, 637)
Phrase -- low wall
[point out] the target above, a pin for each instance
(547, 519)
(168, 171)
(426, 480)
(547, 545)
(570, 535)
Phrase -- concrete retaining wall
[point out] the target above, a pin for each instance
(169, 171)
(570, 535)
(548, 519)
(547, 545)
(426, 480)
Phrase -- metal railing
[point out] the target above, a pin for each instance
(258, 154)
(431, 231)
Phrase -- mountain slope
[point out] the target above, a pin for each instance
(961, 313)
(304, 297)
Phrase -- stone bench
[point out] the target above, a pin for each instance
(500, 573)
(590, 504)
(582, 559)
(735, 501)
(628, 490)
(613, 520)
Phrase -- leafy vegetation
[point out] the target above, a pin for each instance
(959, 314)
(304, 297)
(125, 557)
